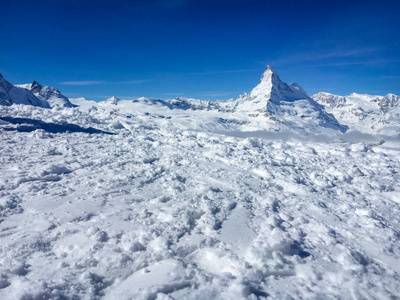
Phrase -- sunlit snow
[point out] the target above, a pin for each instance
(248, 198)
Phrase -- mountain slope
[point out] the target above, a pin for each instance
(363, 112)
(271, 105)
(10, 94)
(287, 104)
(48, 94)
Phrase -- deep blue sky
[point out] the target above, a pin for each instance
(212, 49)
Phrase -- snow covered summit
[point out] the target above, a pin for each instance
(271, 87)
(47, 94)
(112, 100)
(10, 94)
(285, 103)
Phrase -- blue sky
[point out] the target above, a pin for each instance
(203, 49)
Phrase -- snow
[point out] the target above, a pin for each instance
(363, 112)
(180, 199)
(10, 94)
(49, 95)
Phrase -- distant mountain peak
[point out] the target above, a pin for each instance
(271, 88)
(35, 83)
(269, 75)
(112, 100)
(35, 87)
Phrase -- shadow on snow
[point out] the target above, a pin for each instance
(49, 127)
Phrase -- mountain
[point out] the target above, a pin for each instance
(112, 100)
(270, 88)
(271, 106)
(389, 103)
(287, 104)
(364, 112)
(48, 94)
(10, 94)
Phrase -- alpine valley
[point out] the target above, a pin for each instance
(274, 194)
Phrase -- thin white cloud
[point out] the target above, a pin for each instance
(320, 55)
(173, 94)
(218, 94)
(370, 62)
(97, 82)
(137, 81)
(88, 82)
(223, 72)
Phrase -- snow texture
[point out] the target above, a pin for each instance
(365, 113)
(188, 199)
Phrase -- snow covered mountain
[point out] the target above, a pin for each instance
(270, 89)
(363, 112)
(271, 105)
(10, 94)
(47, 94)
(287, 104)
(112, 100)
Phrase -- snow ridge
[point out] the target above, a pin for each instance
(10, 94)
(364, 112)
(48, 94)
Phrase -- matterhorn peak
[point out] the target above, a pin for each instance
(271, 88)
(269, 75)
(271, 69)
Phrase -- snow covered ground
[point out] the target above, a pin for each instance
(153, 203)
(264, 196)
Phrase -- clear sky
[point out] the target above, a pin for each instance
(211, 49)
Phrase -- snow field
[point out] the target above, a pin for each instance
(156, 211)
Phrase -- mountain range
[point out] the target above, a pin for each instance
(271, 105)
(363, 112)
(31, 94)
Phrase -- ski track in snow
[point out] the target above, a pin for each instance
(160, 212)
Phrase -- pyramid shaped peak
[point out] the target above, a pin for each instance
(270, 76)
(271, 88)
(35, 87)
(36, 84)
(271, 68)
